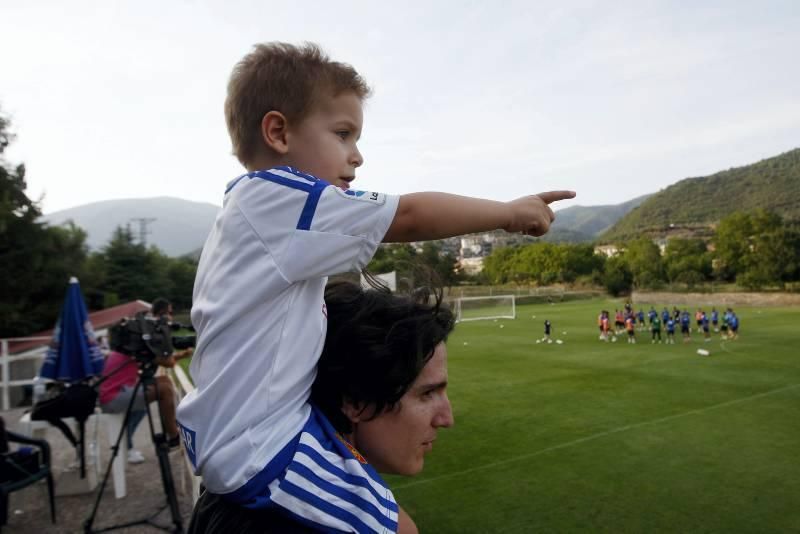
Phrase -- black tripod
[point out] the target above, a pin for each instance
(147, 372)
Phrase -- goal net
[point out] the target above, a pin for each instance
(477, 308)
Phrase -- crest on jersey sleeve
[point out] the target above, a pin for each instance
(363, 196)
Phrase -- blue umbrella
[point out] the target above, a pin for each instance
(74, 353)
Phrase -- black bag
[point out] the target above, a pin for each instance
(77, 400)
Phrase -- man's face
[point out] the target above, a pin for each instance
(396, 441)
(324, 143)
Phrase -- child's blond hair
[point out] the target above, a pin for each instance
(285, 78)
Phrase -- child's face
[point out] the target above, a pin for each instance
(324, 143)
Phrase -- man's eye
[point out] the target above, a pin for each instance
(343, 133)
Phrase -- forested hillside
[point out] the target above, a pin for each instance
(587, 222)
(772, 184)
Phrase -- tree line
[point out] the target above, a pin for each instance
(37, 260)
(754, 249)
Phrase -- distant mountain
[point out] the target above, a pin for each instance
(585, 223)
(697, 203)
(180, 226)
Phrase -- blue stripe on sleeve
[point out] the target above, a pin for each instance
(274, 178)
(310, 206)
(297, 173)
(314, 188)
(325, 506)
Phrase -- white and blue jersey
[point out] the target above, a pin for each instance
(322, 481)
(259, 311)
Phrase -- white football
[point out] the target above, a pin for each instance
(538, 341)
(502, 326)
(559, 341)
(703, 352)
(549, 340)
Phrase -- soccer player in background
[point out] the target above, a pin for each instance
(724, 328)
(547, 327)
(715, 319)
(733, 323)
(655, 327)
(685, 329)
(619, 322)
(631, 328)
(670, 331)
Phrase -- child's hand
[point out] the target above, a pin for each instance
(531, 215)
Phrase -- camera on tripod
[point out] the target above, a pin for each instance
(146, 338)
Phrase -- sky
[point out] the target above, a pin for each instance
(114, 99)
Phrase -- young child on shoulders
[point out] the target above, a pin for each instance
(295, 118)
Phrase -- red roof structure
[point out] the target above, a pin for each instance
(99, 319)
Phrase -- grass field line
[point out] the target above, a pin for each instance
(597, 436)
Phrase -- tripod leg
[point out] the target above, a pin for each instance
(51, 495)
(87, 525)
(162, 451)
(82, 433)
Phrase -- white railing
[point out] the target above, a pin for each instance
(36, 353)
(7, 359)
(184, 386)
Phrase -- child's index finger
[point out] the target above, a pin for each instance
(554, 196)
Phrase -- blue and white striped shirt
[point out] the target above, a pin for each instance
(322, 481)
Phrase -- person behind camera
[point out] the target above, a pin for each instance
(120, 374)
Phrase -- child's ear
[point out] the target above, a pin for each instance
(274, 130)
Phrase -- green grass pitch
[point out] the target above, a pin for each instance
(611, 437)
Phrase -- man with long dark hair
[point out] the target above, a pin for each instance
(378, 400)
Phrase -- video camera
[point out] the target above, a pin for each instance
(145, 337)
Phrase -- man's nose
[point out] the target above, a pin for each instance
(444, 416)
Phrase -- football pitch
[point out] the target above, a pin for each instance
(612, 437)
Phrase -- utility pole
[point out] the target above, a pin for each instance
(144, 223)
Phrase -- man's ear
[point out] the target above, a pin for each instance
(274, 131)
(353, 412)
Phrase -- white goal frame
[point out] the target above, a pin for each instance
(513, 314)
